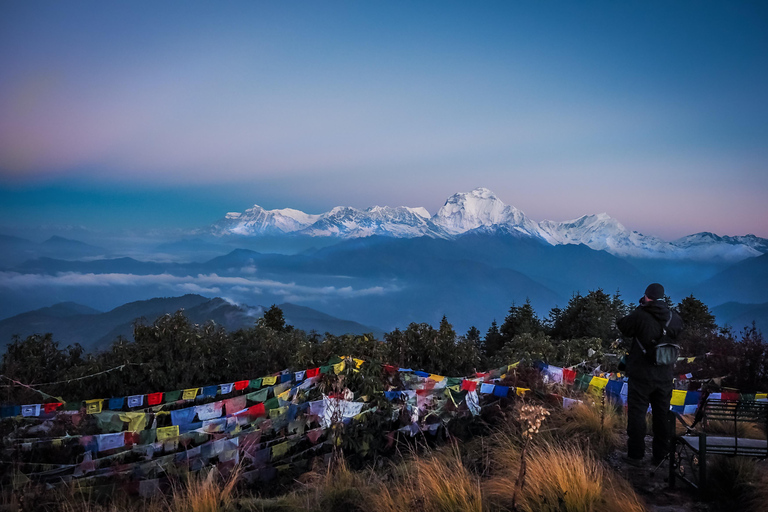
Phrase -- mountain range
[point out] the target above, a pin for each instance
(387, 267)
(481, 210)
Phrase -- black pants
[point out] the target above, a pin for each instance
(655, 389)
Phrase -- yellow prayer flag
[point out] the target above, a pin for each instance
(166, 433)
(760, 396)
(93, 406)
(598, 382)
(358, 362)
(678, 397)
(521, 391)
(268, 381)
(514, 365)
(690, 359)
(136, 420)
(189, 394)
(437, 378)
(57, 443)
(284, 395)
(279, 450)
(338, 368)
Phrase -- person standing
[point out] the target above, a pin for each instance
(649, 383)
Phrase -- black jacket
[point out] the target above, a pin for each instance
(645, 324)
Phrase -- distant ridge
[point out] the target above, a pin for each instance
(74, 323)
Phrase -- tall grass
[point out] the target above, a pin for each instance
(562, 479)
(440, 483)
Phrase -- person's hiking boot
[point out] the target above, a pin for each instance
(632, 461)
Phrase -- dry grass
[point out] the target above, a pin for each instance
(204, 492)
(562, 479)
(740, 429)
(592, 426)
(440, 483)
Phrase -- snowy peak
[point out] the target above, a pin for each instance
(480, 208)
(348, 222)
(258, 221)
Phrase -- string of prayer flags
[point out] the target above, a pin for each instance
(189, 394)
(155, 398)
(93, 406)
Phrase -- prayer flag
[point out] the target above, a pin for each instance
(189, 394)
(313, 372)
(51, 407)
(569, 376)
(258, 396)
(437, 378)
(208, 411)
(358, 362)
(167, 433)
(183, 416)
(268, 381)
(338, 368)
(500, 391)
(299, 376)
(135, 401)
(93, 406)
(210, 391)
(254, 383)
(172, 396)
(598, 382)
(106, 442)
(116, 403)
(227, 388)
(241, 385)
(235, 404)
(486, 388)
(30, 410)
(521, 391)
(136, 420)
(468, 385)
(286, 377)
(155, 398)
(678, 397)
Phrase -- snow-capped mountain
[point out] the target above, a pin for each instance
(258, 221)
(481, 208)
(399, 222)
(481, 211)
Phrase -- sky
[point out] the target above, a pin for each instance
(133, 114)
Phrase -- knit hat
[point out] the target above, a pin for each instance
(654, 291)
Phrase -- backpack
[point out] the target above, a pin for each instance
(663, 350)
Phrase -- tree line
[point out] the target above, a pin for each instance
(174, 353)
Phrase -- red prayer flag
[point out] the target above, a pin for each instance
(49, 408)
(390, 369)
(569, 376)
(155, 398)
(257, 411)
(729, 396)
(468, 385)
(241, 384)
(313, 372)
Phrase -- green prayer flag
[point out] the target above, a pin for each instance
(254, 383)
(453, 381)
(147, 436)
(109, 421)
(172, 396)
(272, 403)
(326, 369)
(258, 396)
(72, 406)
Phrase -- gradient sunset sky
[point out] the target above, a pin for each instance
(170, 114)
